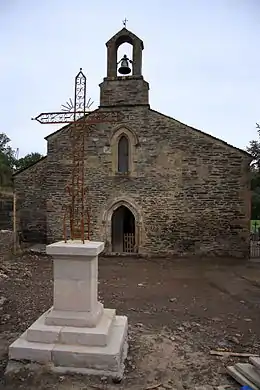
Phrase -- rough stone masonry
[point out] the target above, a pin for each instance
(6, 244)
(189, 192)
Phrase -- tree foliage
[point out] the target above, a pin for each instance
(254, 150)
(9, 162)
(28, 160)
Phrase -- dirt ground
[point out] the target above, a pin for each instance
(178, 311)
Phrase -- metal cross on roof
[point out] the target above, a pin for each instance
(124, 22)
(78, 115)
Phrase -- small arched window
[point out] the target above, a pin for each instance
(123, 154)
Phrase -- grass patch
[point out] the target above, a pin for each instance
(255, 225)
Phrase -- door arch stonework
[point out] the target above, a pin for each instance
(123, 231)
(107, 222)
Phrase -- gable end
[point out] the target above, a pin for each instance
(223, 143)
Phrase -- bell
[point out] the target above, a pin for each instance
(124, 68)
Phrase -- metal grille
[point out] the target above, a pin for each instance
(129, 243)
(255, 241)
(255, 249)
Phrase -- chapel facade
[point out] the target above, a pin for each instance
(154, 185)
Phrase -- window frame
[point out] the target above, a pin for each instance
(123, 154)
(132, 144)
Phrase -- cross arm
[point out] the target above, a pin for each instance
(70, 117)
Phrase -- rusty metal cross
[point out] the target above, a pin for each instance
(78, 115)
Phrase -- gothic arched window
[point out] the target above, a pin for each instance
(123, 154)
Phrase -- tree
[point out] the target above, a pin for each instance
(254, 150)
(27, 161)
(7, 161)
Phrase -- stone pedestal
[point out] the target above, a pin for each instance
(77, 334)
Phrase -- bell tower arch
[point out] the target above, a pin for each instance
(121, 88)
(124, 36)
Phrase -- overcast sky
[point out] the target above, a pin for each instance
(201, 58)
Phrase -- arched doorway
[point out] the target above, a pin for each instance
(123, 230)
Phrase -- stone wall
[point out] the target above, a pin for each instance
(132, 90)
(6, 210)
(204, 205)
(189, 192)
(31, 208)
(6, 243)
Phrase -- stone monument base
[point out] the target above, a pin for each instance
(99, 350)
(76, 335)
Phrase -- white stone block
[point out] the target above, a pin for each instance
(75, 295)
(240, 378)
(97, 336)
(250, 372)
(75, 248)
(108, 358)
(38, 332)
(75, 318)
(75, 269)
(22, 349)
(255, 361)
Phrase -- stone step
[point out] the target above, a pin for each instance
(21, 349)
(255, 361)
(240, 378)
(107, 360)
(249, 371)
(39, 332)
(96, 336)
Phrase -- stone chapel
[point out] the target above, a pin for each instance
(155, 185)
